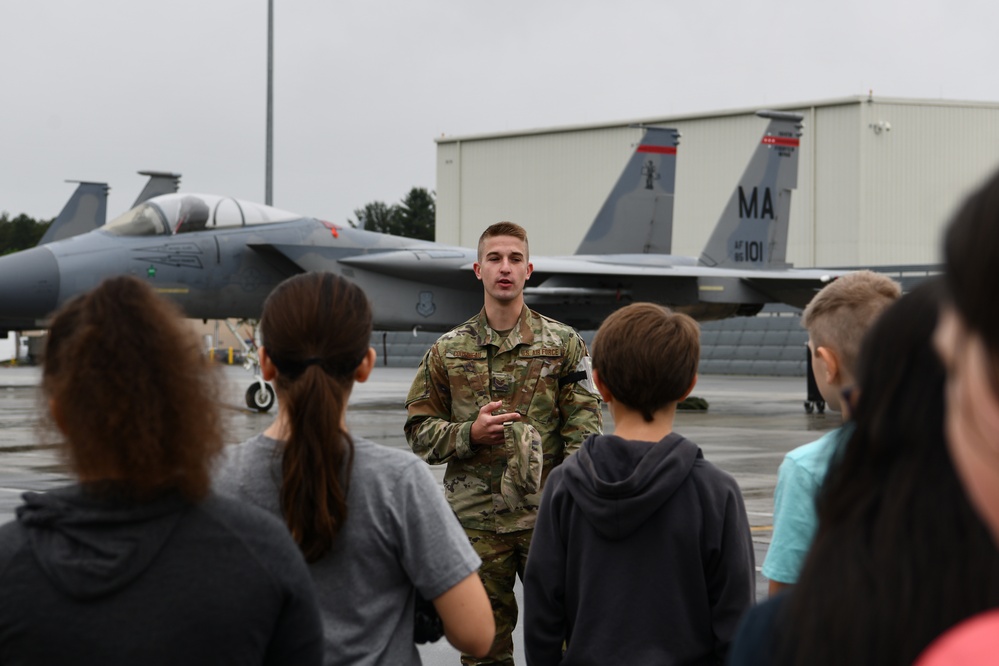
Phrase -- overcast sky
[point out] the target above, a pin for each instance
(99, 89)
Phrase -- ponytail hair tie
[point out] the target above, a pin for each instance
(292, 370)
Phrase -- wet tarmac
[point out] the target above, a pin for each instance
(750, 424)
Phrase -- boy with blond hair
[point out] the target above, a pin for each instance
(642, 552)
(836, 320)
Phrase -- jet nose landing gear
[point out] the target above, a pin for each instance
(260, 396)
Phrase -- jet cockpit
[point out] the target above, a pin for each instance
(183, 213)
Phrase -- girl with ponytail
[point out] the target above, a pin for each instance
(370, 521)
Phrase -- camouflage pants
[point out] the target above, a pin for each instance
(503, 559)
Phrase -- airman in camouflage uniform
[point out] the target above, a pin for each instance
(501, 409)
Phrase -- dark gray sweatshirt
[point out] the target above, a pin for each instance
(94, 580)
(641, 555)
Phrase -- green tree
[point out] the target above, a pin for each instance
(418, 214)
(413, 217)
(20, 233)
(376, 216)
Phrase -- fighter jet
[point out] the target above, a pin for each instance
(219, 258)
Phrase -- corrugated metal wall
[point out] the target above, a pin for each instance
(832, 184)
(551, 183)
(916, 172)
(877, 179)
(448, 190)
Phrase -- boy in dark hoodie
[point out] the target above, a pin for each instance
(642, 552)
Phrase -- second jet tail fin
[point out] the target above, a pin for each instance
(752, 231)
(637, 217)
(160, 182)
(86, 210)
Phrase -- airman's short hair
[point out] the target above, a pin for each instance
(504, 229)
(840, 314)
(647, 356)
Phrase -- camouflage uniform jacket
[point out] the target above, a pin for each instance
(471, 366)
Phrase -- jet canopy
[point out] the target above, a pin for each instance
(183, 213)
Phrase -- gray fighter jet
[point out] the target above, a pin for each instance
(219, 258)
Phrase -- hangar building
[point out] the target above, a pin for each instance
(878, 177)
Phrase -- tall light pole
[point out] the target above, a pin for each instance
(269, 167)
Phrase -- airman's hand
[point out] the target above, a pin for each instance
(487, 429)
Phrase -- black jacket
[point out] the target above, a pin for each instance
(641, 555)
(92, 580)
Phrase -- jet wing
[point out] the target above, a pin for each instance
(645, 277)
(649, 265)
(663, 279)
(432, 265)
(610, 276)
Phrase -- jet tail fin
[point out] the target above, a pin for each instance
(637, 217)
(752, 231)
(160, 182)
(86, 210)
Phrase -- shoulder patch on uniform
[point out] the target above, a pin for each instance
(540, 351)
(454, 353)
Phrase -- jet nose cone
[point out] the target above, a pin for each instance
(29, 283)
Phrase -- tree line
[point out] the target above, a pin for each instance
(21, 232)
(413, 217)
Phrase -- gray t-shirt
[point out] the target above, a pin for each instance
(400, 536)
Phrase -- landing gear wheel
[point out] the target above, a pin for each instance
(260, 396)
